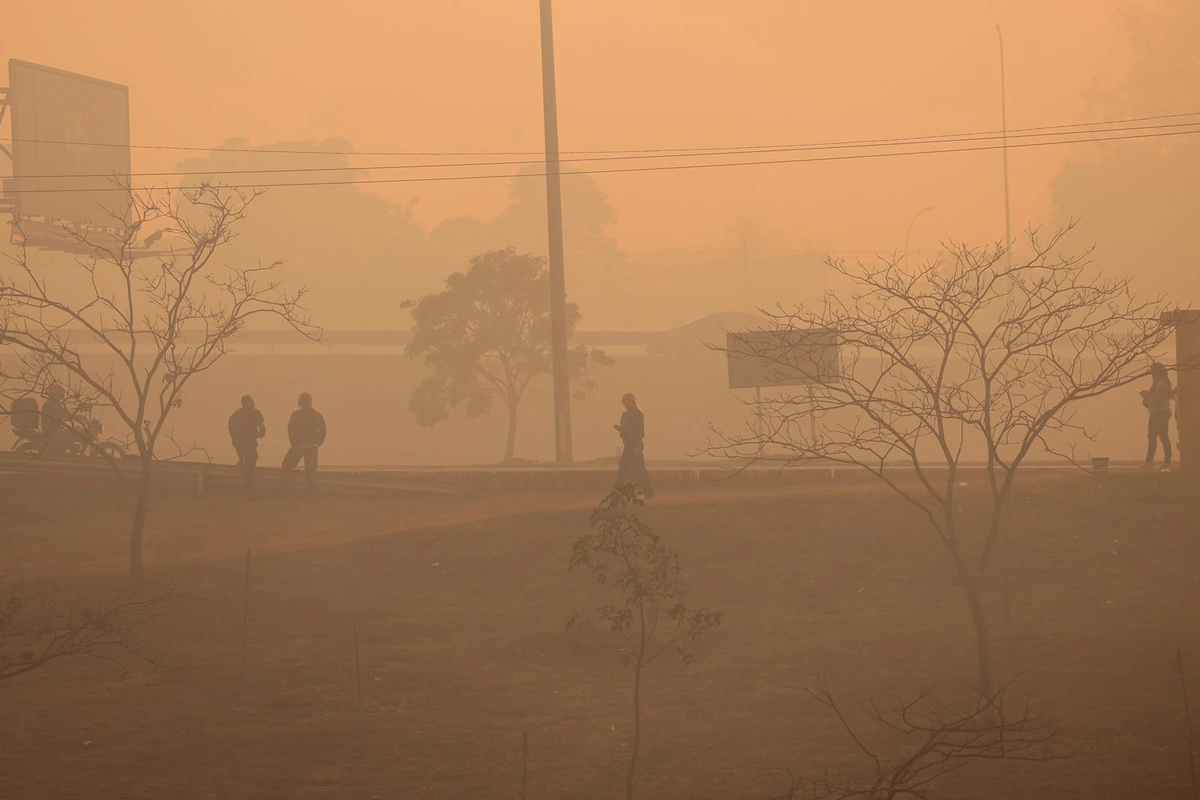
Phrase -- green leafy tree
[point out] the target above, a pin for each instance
(486, 337)
(652, 617)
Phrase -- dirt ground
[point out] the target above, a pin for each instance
(460, 607)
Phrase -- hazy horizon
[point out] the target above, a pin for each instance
(464, 77)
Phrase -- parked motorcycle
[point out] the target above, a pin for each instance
(25, 418)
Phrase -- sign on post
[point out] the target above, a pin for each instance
(71, 162)
(786, 357)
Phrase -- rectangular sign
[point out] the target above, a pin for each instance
(70, 140)
(782, 358)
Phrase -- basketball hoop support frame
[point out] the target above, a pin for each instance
(6, 203)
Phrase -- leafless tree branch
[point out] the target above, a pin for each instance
(127, 329)
(964, 358)
(933, 743)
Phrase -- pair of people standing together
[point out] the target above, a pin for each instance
(306, 433)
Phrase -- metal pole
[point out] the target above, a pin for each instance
(558, 288)
(812, 414)
(1008, 243)
(745, 246)
(1004, 150)
(912, 222)
(758, 416)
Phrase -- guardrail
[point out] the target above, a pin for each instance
(461, 480)
(204, 474)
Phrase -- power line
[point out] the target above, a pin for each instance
(937, 139)
(652, 168)
(434, 154)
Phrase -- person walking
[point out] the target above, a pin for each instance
(306, 433)
(1157, 400)
(632, 467)
(246, 427)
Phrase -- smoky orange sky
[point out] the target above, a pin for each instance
(463, 75)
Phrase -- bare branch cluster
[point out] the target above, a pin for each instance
(126, 328)
(35, 631)
(950, 361)
(935, 743)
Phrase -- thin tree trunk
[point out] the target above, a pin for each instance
(511, 447)
(1187, 716)
(982, 635)
(637, 730)
(137, 570)
(524, 760)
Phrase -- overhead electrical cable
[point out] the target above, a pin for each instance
(661, 167)
(941, 139)
(449, 154)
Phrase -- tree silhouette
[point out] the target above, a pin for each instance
(486, 337)
(950, 361)
(653, 617)
(162, 318)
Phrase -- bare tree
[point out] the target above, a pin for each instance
(35, 631)
(936, 743)
(128, 329)
(948, 362)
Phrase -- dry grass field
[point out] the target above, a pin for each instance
(461, 606)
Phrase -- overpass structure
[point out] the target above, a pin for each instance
(334, 342)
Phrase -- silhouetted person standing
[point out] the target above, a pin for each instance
(246, 427)
(56, 423)
(632, 428)
(306, 432)
(1157, 400)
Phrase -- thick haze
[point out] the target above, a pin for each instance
(463, 76)
(644, 250)
(812, 487)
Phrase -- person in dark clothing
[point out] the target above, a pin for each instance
(56, 423)
(1157, 400)
(246, 427)
(306, 433)
(632, 468)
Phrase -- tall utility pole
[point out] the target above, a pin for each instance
(908, 233)
(558, 285)
(1008, 242)
(744, 246)
(1004, 148)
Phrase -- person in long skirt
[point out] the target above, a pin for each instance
(632, 468)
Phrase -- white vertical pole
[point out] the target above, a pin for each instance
(1004, 149)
